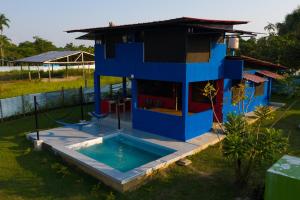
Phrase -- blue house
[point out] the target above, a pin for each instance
(169, 63)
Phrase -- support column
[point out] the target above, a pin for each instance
(134, 94)
(97, 93)
(185, 99)
(269, 89)
(124, 87)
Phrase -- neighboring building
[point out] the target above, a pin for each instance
(169, 63)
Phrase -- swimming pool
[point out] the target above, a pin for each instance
(124, 153)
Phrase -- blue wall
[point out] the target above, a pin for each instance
(251, 100)
(198, 123)
(211, 70)
(171, 126)
(233, 69)
(129, 62)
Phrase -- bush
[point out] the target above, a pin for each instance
(248, 146)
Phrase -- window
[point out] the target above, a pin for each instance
(110, 45)
(238, 91)
(164, 46)
(197, 92)
(198, 48)
(259, 89)
(157, 88)
(109, 50)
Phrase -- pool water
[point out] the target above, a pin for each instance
(125, 152)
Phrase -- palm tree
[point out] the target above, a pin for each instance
(4, 22)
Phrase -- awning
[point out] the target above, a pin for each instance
(253, 78)
(270, 74)
(60, 57)
(257, 62)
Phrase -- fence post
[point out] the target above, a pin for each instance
(21, 72)
(110, 90)
(29, 72)
(23, 104)
(81, 102)
(63, 95)
(118, 112)
(1, 111)
(46, 101)
(36, 119)
(85, 82)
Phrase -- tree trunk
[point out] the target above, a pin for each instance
(2, 51)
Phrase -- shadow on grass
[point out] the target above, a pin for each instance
(39, 178)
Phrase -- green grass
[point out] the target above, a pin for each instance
(27, 174)
(22, 87)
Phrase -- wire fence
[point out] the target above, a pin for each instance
(23, 105)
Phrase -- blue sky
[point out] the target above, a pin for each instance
(49, 18)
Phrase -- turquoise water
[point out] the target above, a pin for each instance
(125, 153)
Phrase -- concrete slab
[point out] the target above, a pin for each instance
(64, 141)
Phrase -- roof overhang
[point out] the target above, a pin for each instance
(176, 21)
(59, 57)
(200, 25)
(257, 62)
(270, 74)
(253, 78)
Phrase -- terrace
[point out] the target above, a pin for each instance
(65, 140)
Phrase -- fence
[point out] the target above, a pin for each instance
(22, 105)
(43, 68)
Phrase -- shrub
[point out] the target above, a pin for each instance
(248, 146)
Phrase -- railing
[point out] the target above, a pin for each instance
(22, 105)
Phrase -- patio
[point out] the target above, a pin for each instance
(60, 139)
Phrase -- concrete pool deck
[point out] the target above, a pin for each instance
(63, 140)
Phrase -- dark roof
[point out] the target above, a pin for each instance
(270, 74)
(183, 21)
(253, 78)
(257, 62)
(49, 56)
(91, 35)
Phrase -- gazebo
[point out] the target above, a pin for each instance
(65, 58)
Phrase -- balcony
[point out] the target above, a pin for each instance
(129, 61)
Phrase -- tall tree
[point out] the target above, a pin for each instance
(4, 22)
(291, 24)
(281, 45)
(41, 45)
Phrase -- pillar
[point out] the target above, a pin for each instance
(124, 87)
(97, 93)
(134, 93)
(185, 99)
(185, 108)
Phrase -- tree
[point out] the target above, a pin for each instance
(271, 28)
(4, 22)
(41, 45)
(291, 24)
(248, 145)
(281, 45)
(72, 47)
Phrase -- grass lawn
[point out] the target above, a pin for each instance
(20, 87)
(27, 174)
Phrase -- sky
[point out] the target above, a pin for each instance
(50, 18)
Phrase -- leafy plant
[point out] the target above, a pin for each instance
(210, 92)
(95, 190)
(289, 87)
(249, 145)
(60, 169)
(110, 196)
